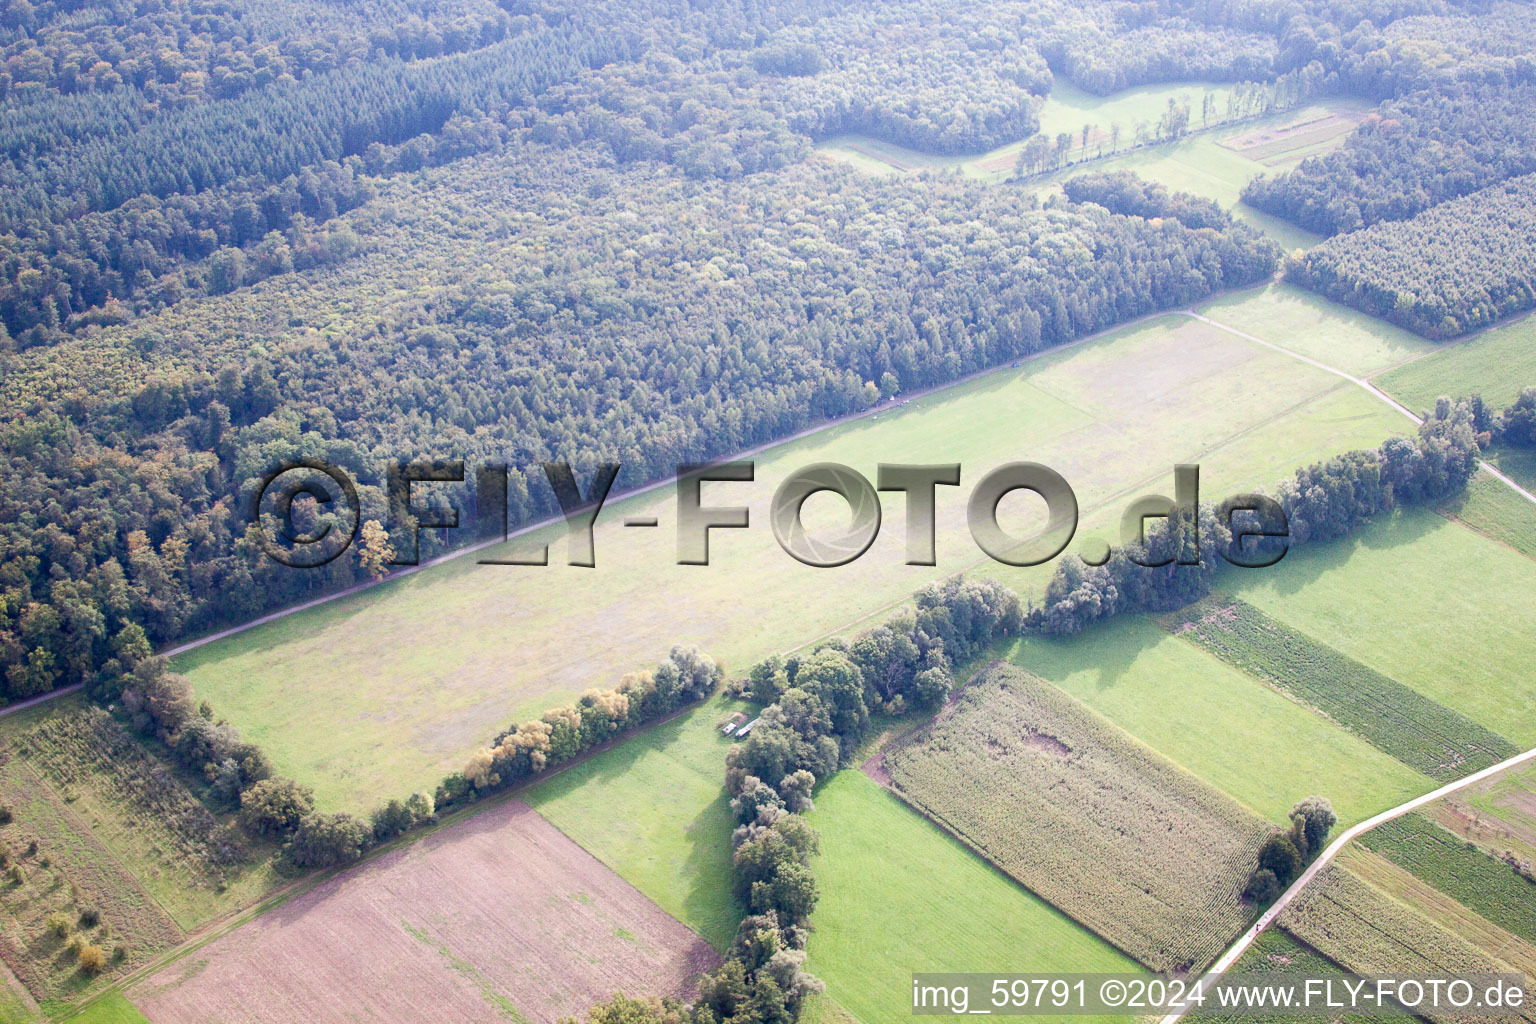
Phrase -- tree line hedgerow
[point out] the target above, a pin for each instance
(1321, 502)
(817, 713)
(160, 704)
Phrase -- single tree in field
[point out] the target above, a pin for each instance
(92, 960)
(624, 1010)
(1087, 131)
(1263, 888)
(1279, 854)
(274, 807)
(1114, 136)
(1311, 821)
(1063, 147)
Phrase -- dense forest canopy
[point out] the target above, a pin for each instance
(1416, 151)
(231, 234)
(627, 314)
(179, 53)
(1455, 267)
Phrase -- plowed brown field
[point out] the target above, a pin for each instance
(499, 917)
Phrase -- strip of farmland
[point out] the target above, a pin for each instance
(1372, 934)
(1421, 733)
(1115, 835)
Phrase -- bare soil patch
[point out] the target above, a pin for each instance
(498, 917)
(875, 768)
(1275, 144)
(1046, 744)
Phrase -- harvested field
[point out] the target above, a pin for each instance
(1273, 145)
(500, 916)
(1370, 933)
(1110, 832)
(1397, 720)
(1498, 814)
(1470, 876)
(1454, 915)
(1278, 952)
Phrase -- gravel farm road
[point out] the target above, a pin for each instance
(1268, 917)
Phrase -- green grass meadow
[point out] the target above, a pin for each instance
(1199, 164)
(899, 896)
(1517, 464)
(1296, 319)
(654, 810)
(113, 1008)
(1498, 512)
(1237, 734)
(1425, 601)
(1498, 364)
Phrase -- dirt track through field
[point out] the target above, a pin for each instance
(498, 917)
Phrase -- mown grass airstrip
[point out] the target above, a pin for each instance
(1223, 725)
(1338, 336)
(415, 673)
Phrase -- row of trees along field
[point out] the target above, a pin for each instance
(125, 497)
(160, 704)
(818, 708)
(1042, 154)
(1285, 855)
(1322, 502)
(1464, 264)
